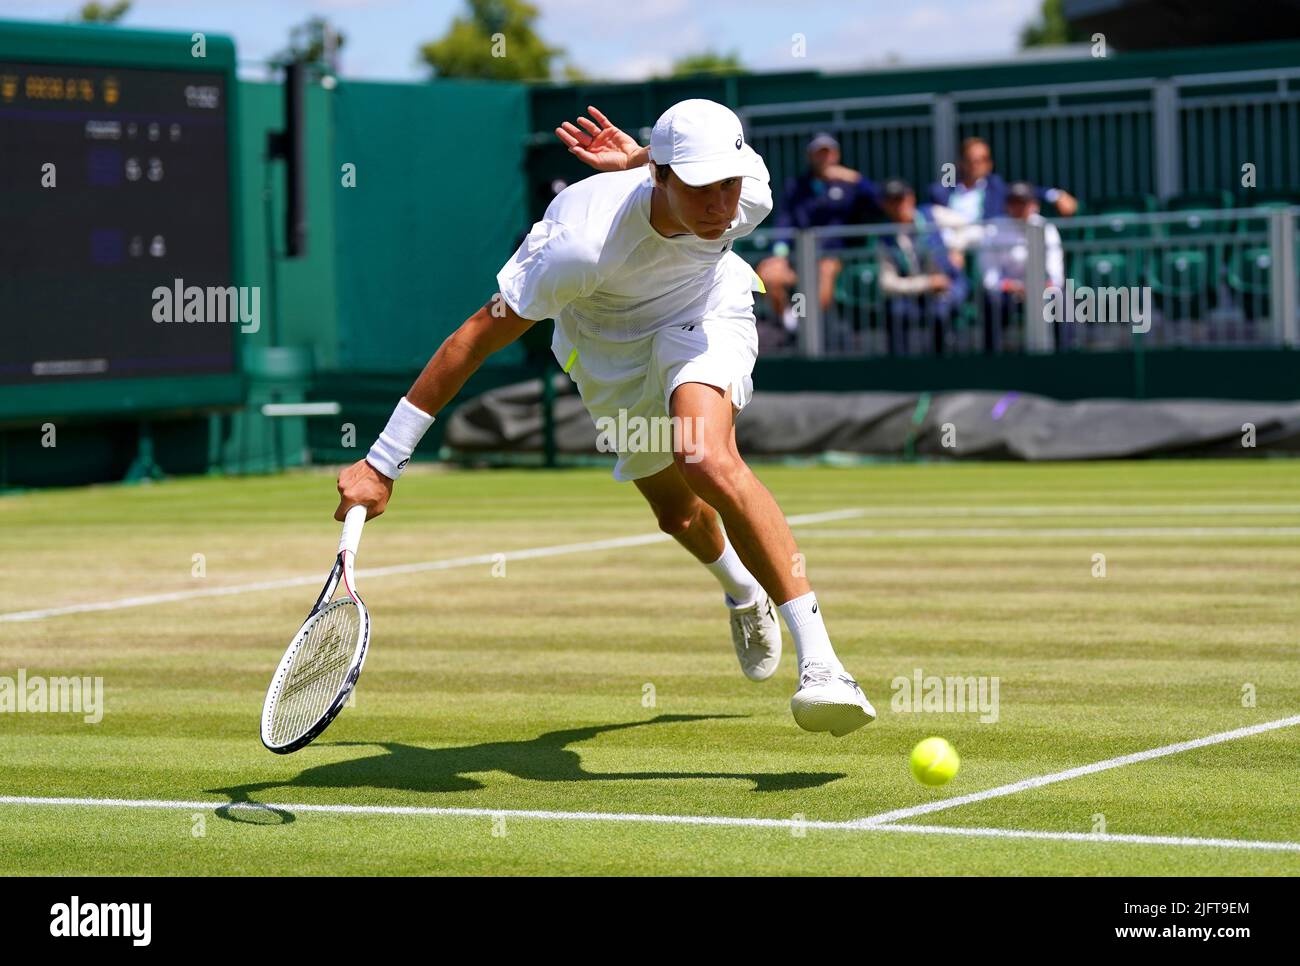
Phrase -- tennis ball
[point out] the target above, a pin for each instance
(934, 762)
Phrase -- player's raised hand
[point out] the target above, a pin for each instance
(362, 485)
(600, 144)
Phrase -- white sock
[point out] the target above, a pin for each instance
(811, 642)
(740, 586)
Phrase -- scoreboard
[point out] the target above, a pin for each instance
(116, 186)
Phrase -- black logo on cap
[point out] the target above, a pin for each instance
(739, 141)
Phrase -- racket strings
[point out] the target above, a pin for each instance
(317, 670)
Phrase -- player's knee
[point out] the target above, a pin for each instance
(712, 475)
(675, 522)
(677, 517)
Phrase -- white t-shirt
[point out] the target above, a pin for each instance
(968, 202)
(596, 266)
(1005, 251)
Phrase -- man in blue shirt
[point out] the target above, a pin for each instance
(981, 194)
(827, 193)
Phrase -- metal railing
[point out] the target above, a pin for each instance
(1189, 278)
(1098, 140)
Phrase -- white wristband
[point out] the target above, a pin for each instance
(393, 449)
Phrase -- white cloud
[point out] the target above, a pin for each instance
(637, 68)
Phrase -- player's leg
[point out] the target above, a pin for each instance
(716, 473)
(828, 698)
(682, 514)
(755, 630)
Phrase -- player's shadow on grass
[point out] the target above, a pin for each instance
(546, 758)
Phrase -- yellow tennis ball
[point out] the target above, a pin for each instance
(934, 762)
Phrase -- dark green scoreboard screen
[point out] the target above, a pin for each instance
(115, 182)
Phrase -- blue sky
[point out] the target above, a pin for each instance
(623, 39)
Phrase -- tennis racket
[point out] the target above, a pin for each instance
(324, 659)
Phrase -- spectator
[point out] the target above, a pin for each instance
(1003, 259)
(827, 193)
(981, 194)
(918, 277)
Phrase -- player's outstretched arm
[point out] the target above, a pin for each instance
(369, 482)
(601, 145)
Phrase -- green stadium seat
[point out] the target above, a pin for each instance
(1183, 282)
(1099, 269)
(858, 285)
(857, 296)
(1250, 270)
(1250, 277)
(1180, 272)
(1249, 264)
(1197, 211)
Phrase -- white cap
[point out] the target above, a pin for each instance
(704, 142)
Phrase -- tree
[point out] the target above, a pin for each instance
(103, 12)
(1051, 28)
(314, 42)
(707, 62)
(495, 40)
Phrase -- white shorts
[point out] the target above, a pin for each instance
(640, 376)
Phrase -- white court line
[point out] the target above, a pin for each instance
(633, 817)
(922, 533)
(897, 815)
(375, 572)
(1015, 833)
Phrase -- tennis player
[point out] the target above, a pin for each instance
(654, 320)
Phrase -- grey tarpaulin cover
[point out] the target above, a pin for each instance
(977, 425)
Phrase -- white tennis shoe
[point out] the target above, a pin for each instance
(829, 699)
(756, 635)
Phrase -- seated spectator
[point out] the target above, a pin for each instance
(919, 279)
(827, 193)
(981, 194)
(959, 234)
(1003, 259)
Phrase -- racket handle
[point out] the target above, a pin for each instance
(352, 524)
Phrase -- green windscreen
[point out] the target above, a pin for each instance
(438, 208)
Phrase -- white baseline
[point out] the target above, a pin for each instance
(725, 821)
(372, 573)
